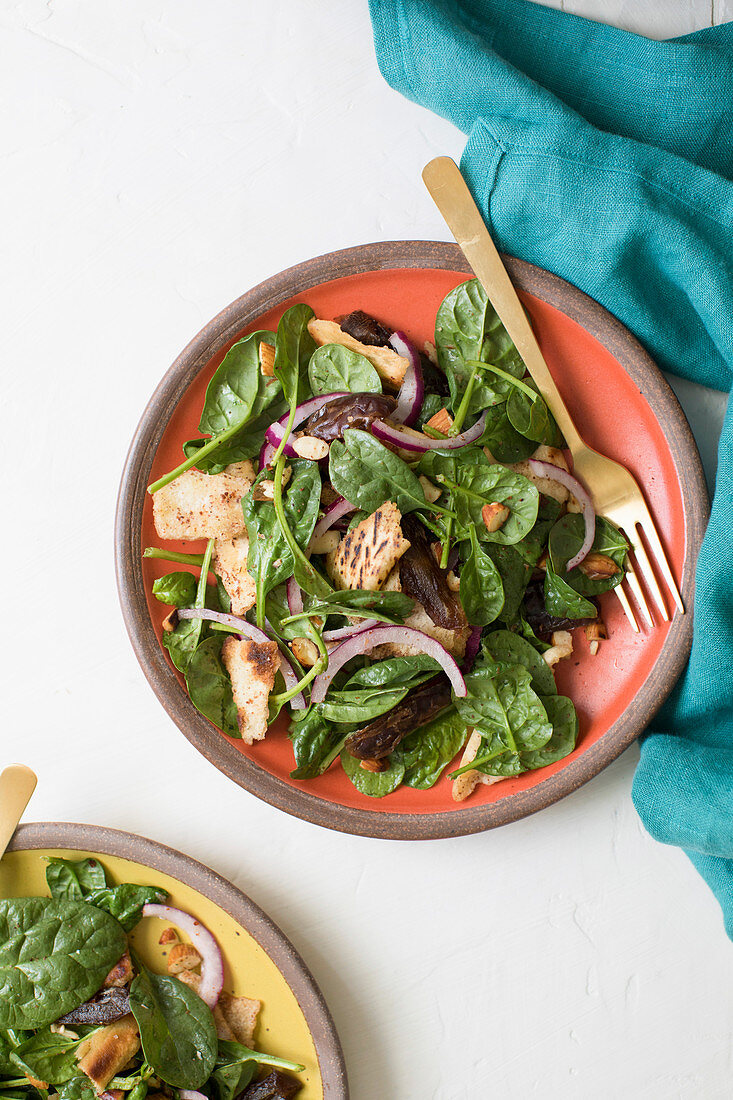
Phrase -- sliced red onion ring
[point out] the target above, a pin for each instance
(349, 631)
(212, 964)
(191, 1094)
(412, 390)
(334, 512)
(581, 494)
(274, 436)
(267, 453)
(294, 597)
(410, 440)
(243, 627)
(366, 640)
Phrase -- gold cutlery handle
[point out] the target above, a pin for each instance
(17, 784)
(451, 195)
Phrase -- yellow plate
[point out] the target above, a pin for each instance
(259, 961)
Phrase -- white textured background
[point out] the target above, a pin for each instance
(157, 158)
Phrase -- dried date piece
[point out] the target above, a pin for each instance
(276, 1086)
(384, 734)
(104, 1008)
(353, 410)
(365, 329)
(422, 578)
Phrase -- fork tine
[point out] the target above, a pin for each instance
(623, 599)
(655, 545)
(635, 587)
(645, 568)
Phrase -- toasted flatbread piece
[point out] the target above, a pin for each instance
(452, 640)
(251, 667)
(241, 1015)
(103, 1054)
(388, 364)
(230, 563)
(203, 506)
(367, 554)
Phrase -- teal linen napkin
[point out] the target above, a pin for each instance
(607, 158)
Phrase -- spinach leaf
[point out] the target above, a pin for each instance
(48, 1057)
(334, 368)
(426, 752)
(564, 602)
(360, 706)
(175, 589)
(502, 440)
(182, 642)
(316, 744)
(389, 607)
(507, 648)
(515, 575)
(478, 486)
(53, 956)
(229, 1080)
(433, 463)
(72, 879)
(269, 558)
(562, 714)
(177, 1029)
(373, 784)
(236, 1054)
(125, 902)
(533, 545)
(481, 591)
(269, 405)
(78, 1088)
(394, 672)
(508, 713)
(209, 686)
(533, 419)
(468, 328)
(294, 347)
(366, 473)
(432, 404)
(231, 393)
(565, 540)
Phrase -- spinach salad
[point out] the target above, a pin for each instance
(396, 551)
(82, 1016)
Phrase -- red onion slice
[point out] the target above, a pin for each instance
(409, 440)
(294, 597)
(212, 964)
(274, 436)
(249, 631)
(334, 512)
(581, 494)
(349, 631)
(412, 390)
(366, 640)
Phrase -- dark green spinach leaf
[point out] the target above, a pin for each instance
(532, 418)
(561, 712)
(502, 440)
(478, 486)
(367, 474)
(177, 1029)
(334, 368)
(562, 601)
(125, 902)
(53, 956)
(209, 686)
(511, 649)
(70, 879)
(427, 752)
(175, 589)
(316, 744)
(394, 672)
(374, 784)
(294, 347)
(565, 540)
(231, 393)
(481, 591)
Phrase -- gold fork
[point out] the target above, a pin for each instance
(614, 491)
(17, 784)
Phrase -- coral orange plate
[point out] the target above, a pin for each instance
(623, 407)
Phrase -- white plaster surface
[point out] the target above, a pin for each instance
(157, 158)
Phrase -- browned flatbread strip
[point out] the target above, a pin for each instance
(367, 554)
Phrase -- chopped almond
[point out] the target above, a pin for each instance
(307, 446)
(168, 935)
(598, 567)
(375, 765)
(432, 492)
(170, 622)
(305, 651)
(494, 516)
(183, 956)
(267, 359)
(120, 974)
(453, 582)
(441, 421)
(429, 349)
(562, 647)
(265, 490)
(595, 633)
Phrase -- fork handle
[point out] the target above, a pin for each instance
(450, 193)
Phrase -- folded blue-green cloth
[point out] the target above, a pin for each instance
(608, 158)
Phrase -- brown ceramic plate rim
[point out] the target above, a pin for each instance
(158, 857)
(128, 549)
